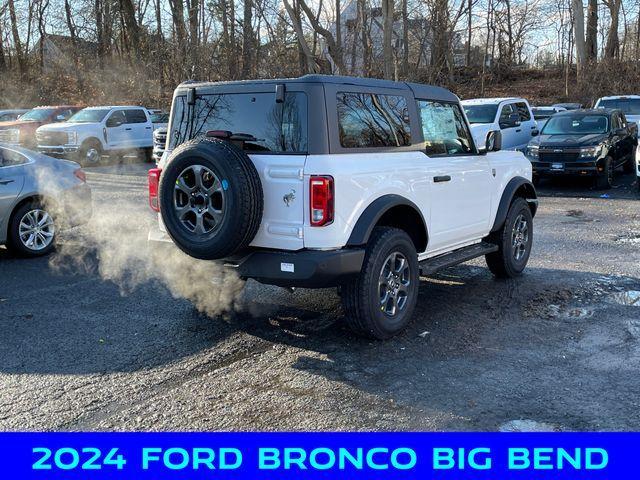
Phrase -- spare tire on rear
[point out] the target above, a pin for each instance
(210, 198)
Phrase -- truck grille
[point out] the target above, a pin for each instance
(159, 140)
(52, 138)
(558, 157)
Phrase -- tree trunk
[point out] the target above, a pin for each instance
(177, 15)
(193, 10)
(364, 37)
(578, 32)
(469, 25)
(612, 46)
(128, 13)
(16, 35)
(592, 31)
(74, 42)
(339, 30)
(405, 38)
(302, 41)
(247, 40)
(387, 35)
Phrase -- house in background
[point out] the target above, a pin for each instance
(420, 39)
(59, 53)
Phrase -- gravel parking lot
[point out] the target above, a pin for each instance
(557, 347)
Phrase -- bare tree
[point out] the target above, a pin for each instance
(612, 47)
(592, 31)
(387, 34)
(578, 32)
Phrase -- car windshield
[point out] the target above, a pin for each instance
(576, 125)
(159, 118)
(541, 113)
(630, 106)
(38, 114)
(480, 113)
(89, 115)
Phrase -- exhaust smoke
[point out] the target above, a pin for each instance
(114, 245)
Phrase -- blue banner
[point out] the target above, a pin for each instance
(460, 456)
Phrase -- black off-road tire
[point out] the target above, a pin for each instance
(242, 201)
(15, 244)
(629, 165)
(361, 298)
(604, 179)
(503, 263)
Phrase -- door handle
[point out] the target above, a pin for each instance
(442, 178)
(128, 128)
(518, 130)
(6, 182)
(147, 128)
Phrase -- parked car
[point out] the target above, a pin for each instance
(511, 116)
(159, 119)
(569, 106)
(39, 195)
(586, 143)
(21, 132)
(11, 115)
(629, 104)
(328, 181)
(542, 114)
(159, 143)
(97, 131)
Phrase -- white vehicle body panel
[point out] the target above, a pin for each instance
(513, 138)
(630, 117)
(125, 136)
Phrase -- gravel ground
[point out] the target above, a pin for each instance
(553, 349)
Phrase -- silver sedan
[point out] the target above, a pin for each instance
(39, 195)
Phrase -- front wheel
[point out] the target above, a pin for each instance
(32, 231)
(604, 180)
(381, 301)
(90, 154)
(514, 241)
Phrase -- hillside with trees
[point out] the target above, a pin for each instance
(108, 51)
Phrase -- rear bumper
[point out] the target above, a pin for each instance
(302, 269)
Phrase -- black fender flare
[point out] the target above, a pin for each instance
(508, 195)
(374, 212)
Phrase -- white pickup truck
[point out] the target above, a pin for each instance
(629, 104)
(97, 131)
(511, 116)
(328, 181)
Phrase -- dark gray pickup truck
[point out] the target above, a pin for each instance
(585, 143)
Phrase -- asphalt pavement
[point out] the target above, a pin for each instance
(82, 348)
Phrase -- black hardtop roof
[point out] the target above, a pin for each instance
(419, 90)
(587, 111)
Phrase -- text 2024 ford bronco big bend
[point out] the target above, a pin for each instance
(341, 182)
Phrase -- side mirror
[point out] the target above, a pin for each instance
(494, 141)
(60, 118)
(535, 133)
(620, 131)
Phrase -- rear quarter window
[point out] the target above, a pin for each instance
(367, 120)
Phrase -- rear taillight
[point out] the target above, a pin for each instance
(154, 181)
(321, 200)
(80, 175)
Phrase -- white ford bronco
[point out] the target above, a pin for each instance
(326, 181)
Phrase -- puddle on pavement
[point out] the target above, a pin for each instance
(527, 426)
(574, 313)
(629, 298)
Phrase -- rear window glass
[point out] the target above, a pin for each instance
(271, 127)
(372, 120)
(9, 158)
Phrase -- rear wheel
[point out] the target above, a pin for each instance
(381, 301)
(514, 242)
(604, 180)
(32, 230)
